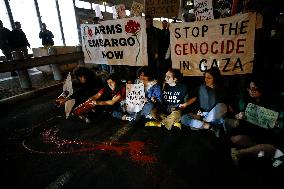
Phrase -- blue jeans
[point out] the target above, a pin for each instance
(215, 115)
(147, 108)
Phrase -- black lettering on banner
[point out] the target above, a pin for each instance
(118, 28)
(90, 43)
(238, 64)
(102, 29)
(97, 31)
(204, 64)
(110, 29)
(234, 28)
(177, 34)
(112, 42)
(243, 26)
(113, 54)
(227, 63)
(185, 65)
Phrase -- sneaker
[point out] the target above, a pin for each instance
(178, 125)
(215, 130)
(85, 119)
(234, 155)
(153, 124)
(149, 116)
(127, 118)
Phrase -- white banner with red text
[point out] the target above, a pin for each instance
(227, 43)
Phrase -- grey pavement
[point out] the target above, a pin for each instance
(10, 89)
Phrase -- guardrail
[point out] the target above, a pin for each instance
(22, 65)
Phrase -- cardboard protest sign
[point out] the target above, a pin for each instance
(120, 10)
(135, 97)
(203, 10)
(260, 116)
(115, 42)
(227, 43)
(136, 9)
(162, 8)
(67, 86)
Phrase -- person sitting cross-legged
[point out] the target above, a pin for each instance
(87, 83)
(212, 103)
(174, 94)
(252, 140)
(153, 92)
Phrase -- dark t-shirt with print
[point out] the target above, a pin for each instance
(174, 95)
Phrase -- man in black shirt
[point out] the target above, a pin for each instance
(46, 36)
(5, 36)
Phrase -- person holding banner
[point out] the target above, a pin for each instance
(254, 140)
(164, 45)
(174, 94)
(106, 100)
(211, 99)
(153, 37)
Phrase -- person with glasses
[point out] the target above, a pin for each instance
(209, 102)
(250, 140)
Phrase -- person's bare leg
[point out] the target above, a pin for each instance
(259, 150)
(242, 141)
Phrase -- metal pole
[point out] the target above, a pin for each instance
(9, 13)
(60, 22)
(38, 13)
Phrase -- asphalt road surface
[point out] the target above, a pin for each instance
(42, 149)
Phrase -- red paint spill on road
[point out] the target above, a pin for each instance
(56, 145)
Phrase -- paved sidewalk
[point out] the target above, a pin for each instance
(10, 86)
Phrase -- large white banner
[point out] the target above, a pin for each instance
(115, 42)
(227, 43)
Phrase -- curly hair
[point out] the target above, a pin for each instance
(84, 71)
(148, 72)
(176, 74)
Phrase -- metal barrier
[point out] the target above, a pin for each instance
(23, 74)
(21, 64)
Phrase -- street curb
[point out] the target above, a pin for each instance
(29, 94)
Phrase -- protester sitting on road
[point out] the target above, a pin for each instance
(253, 140)
(153, 92)
(174, 94)
(212, 103)
(86, 85)
(107, 99)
